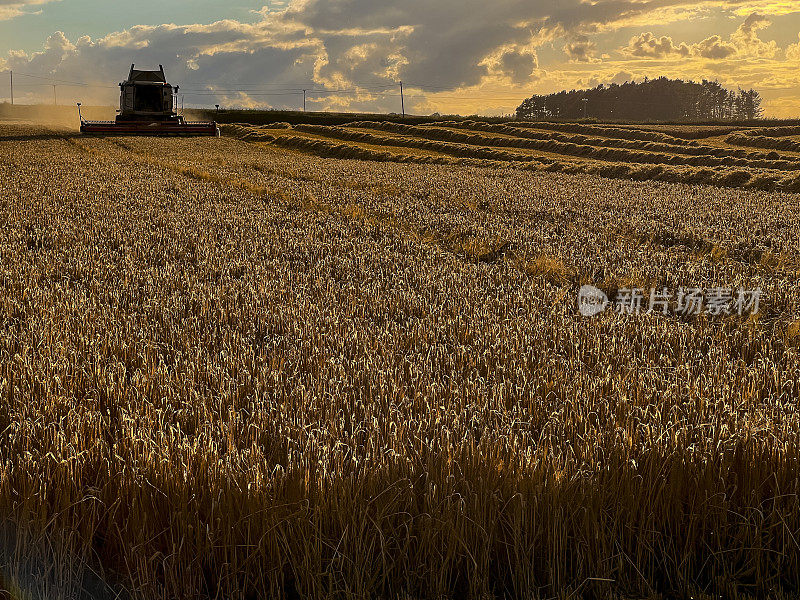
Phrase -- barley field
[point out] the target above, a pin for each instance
(348, 362)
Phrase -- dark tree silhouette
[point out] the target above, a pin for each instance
(659, 99)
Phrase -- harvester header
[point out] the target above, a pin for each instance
(147, 106)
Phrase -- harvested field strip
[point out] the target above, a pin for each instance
(721, 177)
(773, 132)
(771, 143)
(515, 146)
(520, 144)
(532, 134)
(698, 132)
(527, 133)
(377, 146)
(607, 131)
(461, 149)
(520, 132)
(716, 177)
(561, 148)
(749, 152)
(458, 143)
(319, 144)
(328, 149)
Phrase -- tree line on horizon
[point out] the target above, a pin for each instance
(661, 99)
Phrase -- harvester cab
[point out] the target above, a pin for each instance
(147, 106)
(147, 95)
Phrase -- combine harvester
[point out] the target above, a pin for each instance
(147, 107)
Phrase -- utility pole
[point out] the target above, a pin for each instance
(304, 100)
(55, 98)
(12, 87)
(402, 100)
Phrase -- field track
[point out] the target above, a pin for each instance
(347, 362)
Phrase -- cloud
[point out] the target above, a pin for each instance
(622, 77)
(793, 51)
(747, 41)
(581, 50)
(446, 45)
(369, 45)
(714, 48)
(742, 42)
(646, 45)
(513, 64)
(221, 55)
(450, 43)
(14, 8)
(519, 65)
(776, 7)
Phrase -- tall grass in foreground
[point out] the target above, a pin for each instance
(361, 380)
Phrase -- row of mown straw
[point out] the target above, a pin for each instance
(549, 146)
(328, 149)
(763, 142)
(458, 150)
(721, 177)
(528, 133)
(688, 132)
(773, 132)
(622, 133)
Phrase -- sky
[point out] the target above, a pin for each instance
(453, 56)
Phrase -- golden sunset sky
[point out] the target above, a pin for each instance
(454, 56)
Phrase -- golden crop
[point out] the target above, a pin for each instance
(234, 370)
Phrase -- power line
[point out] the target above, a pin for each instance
(300, 93)
(259, 95)
(281, 90)
(63, 82)
(261, 89)
(277, 91)
(287, 86)
(515, 99)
